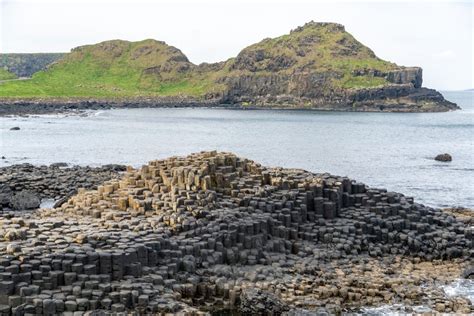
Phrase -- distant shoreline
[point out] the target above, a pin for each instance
(13, 107)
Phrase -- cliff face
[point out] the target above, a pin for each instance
(25, 65)
(321, 66)
(402, 93)
(316, 66)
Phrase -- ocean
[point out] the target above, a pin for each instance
(390, 150)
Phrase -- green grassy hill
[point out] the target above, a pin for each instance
(114, 69)
(6, 75)
(315, 47)
(149, 68)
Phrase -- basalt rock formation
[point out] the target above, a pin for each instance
(26, 185)
(212, 230)
(25, 65)
(316, 66)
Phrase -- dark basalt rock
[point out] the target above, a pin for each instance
(468, 273)
(444, 157)
(59, 165)
(25, 200)
(16, 128)
(258, 302)
(412, 75)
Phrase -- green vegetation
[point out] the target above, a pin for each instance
(6, 75)
(319, 47)
(117, 69)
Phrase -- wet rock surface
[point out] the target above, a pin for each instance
(444, 157)
(211, 230)
(74, 106)
(22, 187)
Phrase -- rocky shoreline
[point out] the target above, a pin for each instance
(70, 106)
(386, 99)
(216, 233)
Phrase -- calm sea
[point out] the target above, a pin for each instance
(391, 150)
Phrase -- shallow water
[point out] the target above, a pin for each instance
(47, 203)
(461, 287)
(391, 150)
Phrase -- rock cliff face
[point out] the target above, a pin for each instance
(315, 66)
(321, 66)
(25, 65)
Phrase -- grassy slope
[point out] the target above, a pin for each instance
(323, 48)
(121, 69)
(6, 75)
(115, 69)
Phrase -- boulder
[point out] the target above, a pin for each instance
(59, 165)
(444, 157)
(16, 128)
(25, 200)
(114, 167)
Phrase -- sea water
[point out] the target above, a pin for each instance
(390, 150)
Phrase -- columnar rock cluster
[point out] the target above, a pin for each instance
(186, 233)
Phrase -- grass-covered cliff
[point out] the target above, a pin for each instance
(114, 69)
(317, 65)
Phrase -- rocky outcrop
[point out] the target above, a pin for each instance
(411, 75)
(444, 157)
(22, 187)
(317, 66)
(213, 231)
(80, 106)
(314, 92)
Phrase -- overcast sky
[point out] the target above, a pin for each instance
(436, 35)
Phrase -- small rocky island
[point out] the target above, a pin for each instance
(216, 233)
(316, 66)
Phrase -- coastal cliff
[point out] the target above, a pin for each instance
(316, 66)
